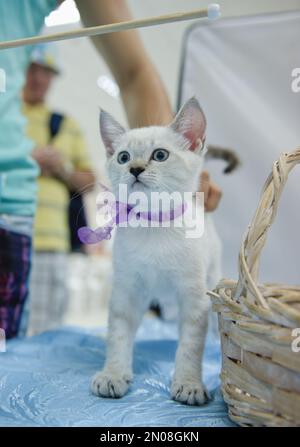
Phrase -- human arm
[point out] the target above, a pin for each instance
(143, 93)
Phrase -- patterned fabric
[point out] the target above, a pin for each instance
(15, 259)
(48, 292)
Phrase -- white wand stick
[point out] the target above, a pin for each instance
(211, 12)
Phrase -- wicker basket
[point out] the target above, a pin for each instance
(260, 370)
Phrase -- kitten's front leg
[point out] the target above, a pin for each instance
(187, 386)
(124, 317)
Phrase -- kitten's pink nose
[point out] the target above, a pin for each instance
(136, 171)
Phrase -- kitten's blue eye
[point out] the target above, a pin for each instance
(123, 157)
(160, 155)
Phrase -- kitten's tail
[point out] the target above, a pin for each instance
(228, 155)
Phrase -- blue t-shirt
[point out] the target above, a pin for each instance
(18, 171)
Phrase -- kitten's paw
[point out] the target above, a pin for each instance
(110, 385)
(190, 393)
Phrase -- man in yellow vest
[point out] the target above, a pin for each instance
(64, 163)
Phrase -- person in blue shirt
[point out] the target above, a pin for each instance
(141, 90)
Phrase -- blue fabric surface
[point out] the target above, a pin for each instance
(44, 381)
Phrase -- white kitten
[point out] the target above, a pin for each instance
(149, 262)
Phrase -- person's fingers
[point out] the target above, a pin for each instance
(213, 197)
(38, 157)
(205, 184)
(54, 159)
(212, 193)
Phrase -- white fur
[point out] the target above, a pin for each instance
(150, 262)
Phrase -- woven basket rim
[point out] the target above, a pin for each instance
(260, 371)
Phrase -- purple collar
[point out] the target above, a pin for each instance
(123, 213)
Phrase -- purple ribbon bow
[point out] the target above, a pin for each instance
(122, 214)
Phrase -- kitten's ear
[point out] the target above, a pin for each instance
(110, 129)
(190, 122)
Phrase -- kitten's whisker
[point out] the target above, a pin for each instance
(82, 190)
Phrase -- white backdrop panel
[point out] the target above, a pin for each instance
(241, 71)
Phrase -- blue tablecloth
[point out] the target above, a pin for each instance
(44, 381)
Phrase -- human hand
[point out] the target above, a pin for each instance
(212, 193)
(54, 161)
(50, 161)
(40, 155)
